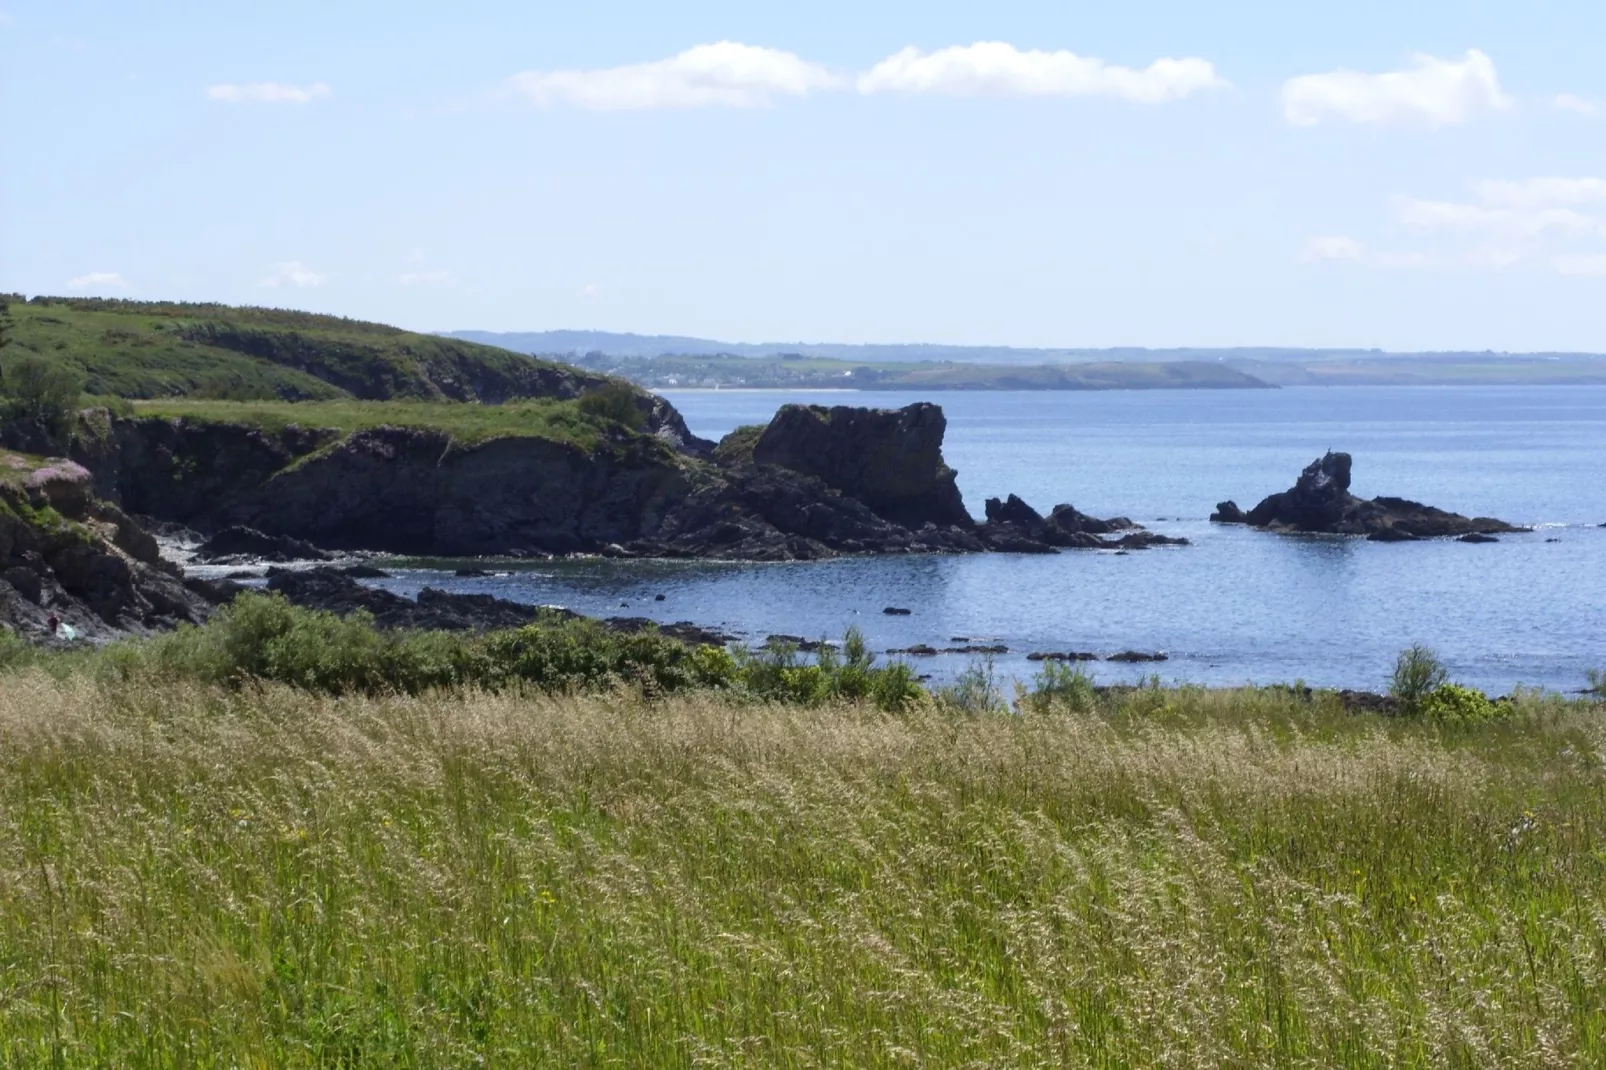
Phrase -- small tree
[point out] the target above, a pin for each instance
(1418, 672)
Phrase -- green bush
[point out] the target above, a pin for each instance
(1597, 682)
(780, 674)
(41, 393)
(1454, 704)
(618, 402)
(1417, 672)
(976, 690)
(736, 448)
(1059, 686)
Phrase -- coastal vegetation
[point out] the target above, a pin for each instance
(152, 349)
(217, 853)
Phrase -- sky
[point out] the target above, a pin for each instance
(1149, 172)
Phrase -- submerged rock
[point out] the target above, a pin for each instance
(1320, 502)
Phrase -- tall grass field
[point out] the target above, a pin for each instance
(259, 876)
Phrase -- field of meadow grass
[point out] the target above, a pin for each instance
(209, 870)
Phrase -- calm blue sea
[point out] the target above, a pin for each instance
(1237, 605)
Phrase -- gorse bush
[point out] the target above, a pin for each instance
(1417, 672)
(1454, 704)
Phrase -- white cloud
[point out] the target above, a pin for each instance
(99, 280)
(1330, 247)
(589, 291)
(1433, 91)
(1556, 221)
(1584, 264)
(725, 73)
(1338, 249)
(268, 93)
(997, 69)
(1572, 103)
(293, 273)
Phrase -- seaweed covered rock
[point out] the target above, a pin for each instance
(889, 459)
(1320, 502)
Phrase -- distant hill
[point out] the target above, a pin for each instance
(1281, 366)
(614, 344)
(142, 349)
(796, 372)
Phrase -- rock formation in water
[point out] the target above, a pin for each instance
(67, 556)
(889, 459)
(1320, 502)
(1015, 527)
(813, 483)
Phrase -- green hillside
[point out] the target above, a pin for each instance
(137, 349)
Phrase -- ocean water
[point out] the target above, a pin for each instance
(1236, 606)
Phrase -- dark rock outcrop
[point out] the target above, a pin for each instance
(1321, 502)
(1015, 527)
(66, 554)
(243, 543)
(889, 459)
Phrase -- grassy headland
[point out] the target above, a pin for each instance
(231, 872)
(137, 349)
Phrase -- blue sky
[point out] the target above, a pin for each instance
(1366, 174)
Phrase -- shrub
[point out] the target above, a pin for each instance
(1597, 682)
(779, 673)
(1454, 704)
(618, 402)
(1417, 672)
(976, 690)
(1059, 686)
(41, 393)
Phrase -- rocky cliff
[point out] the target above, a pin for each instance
(814, 483)
(1320, 502)
(68, 555)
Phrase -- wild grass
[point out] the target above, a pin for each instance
(205, 876)
(563, 421)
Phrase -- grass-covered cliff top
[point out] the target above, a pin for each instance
(138, 349)
(564, 421)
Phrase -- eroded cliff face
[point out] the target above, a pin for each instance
(820, 483)
(889, 459)
(68, 555)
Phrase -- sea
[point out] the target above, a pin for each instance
(1236, 606)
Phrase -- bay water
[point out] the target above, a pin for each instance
(1237, 605)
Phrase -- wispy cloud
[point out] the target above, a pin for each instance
(724, 74)
(1432, 92)
(998, 69)
(99, 280)
(1575, 104)
(268, 93)
(1559, 223)
(293, 273)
